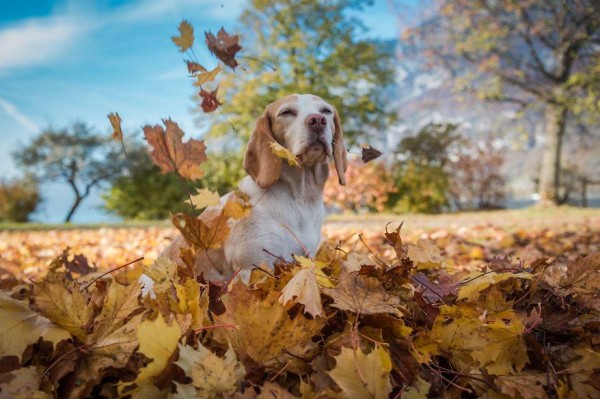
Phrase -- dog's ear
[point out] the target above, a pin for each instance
(259, 161)
(339, 149)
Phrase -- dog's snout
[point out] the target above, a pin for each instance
(316, 123)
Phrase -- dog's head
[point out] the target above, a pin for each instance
(304, 124)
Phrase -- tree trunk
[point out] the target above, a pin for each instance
(73, 209)
(555, 119)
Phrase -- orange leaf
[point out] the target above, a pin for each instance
(223, 46)
(209, 100)
(115, 122)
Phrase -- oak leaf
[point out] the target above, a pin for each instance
(224, 46)
(210, 102)
(171, 154)
(361, 375)
(22, 326)
(211, 375)
(284, 153)
(208, 76)
(185, 40)
(263, 328)
(303, 288)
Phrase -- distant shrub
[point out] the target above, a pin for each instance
(18, 199)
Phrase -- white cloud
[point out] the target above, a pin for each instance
(12, 111)
(38, 40)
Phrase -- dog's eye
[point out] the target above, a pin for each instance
(326, 111)
(287, 112)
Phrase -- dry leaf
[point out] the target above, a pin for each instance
(204, 198)
(284, 153)
(115, 122)
(210, 102)
(194, 67)
(223, 46)
(369, 154)
(185, 40)
(205, 77)
(303, 288)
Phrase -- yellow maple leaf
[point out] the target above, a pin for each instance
(479, 282)
(119, 303)
(425, 254)
(208, 76)
(211, 375)
(185, 40)
(263, 327)
(22, 326)
(204, 198)
(163, 272)
(303, 288)
(361, 375)
(284, 153)
(115, 122)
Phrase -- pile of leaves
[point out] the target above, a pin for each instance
(342, 325)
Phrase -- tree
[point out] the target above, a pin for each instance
(308, 46)
(529, 52)
(76, 156)
(18, 199)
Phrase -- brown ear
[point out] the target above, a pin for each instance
(259, 161)
(339, 149)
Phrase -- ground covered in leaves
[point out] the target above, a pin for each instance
(471, 307)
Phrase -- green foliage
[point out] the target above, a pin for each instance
(223, 171)
(18, 199)
(76, 156)
(308, 46)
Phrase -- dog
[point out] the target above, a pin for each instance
(287, 201)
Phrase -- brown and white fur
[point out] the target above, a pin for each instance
(288, 209)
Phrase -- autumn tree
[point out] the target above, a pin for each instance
(531, 52)
(76, 156)
(308, 46)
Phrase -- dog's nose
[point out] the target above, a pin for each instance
(316, 123)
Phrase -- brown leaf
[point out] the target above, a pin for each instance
(115, 122)
(223, 46)
(201, 234)
(396, 241)
(171, 154)
(194, 67)
(210, 102)
(185, 40)
(369, 154)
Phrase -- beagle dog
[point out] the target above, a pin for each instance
(287, 201)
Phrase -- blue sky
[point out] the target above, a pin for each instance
(67, 61)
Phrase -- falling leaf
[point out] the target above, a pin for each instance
(210, 102)
(185, 40)
(171, 154)
(369, 154)
(362, 295)
(22, 326)
(115, 122)
(211, 375)
(205, 77)
(303, 288)
(284, 153)
(204, 198)
(223, 46)
(263, 328)
(194, 67)
(362, 375)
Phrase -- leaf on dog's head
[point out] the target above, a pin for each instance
(223, 46)
(185, 40)
(204, 198)
(171, 154)
(194, 67)
(210, 102)
(284, 153)
(115, 122)
(370, 153)
(208, 76)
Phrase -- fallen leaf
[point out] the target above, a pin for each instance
(23, 383)
(185, 40)
(425, 255)
(396, 241)
(204, 198)
(303, 288)
(284, 153)
(362, 375)
(224, 46)
(163, 272)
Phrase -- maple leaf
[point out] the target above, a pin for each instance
(583, 281)
(396, 241)
(163, 272)
(361, 375)
(479, 282)
(284, 153)
(210, 102)
(223, 46)
(263, 327)
(303, 288)
(171, 154)
(205, 235)
(22, 326)
(115, 122)
(185, 40)
(21, 384)
(205, 77)
(194, 67)
(425, 255)
(204, 198)
(363, 295)
(211, 375)
(369, 154)
(119, 303)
